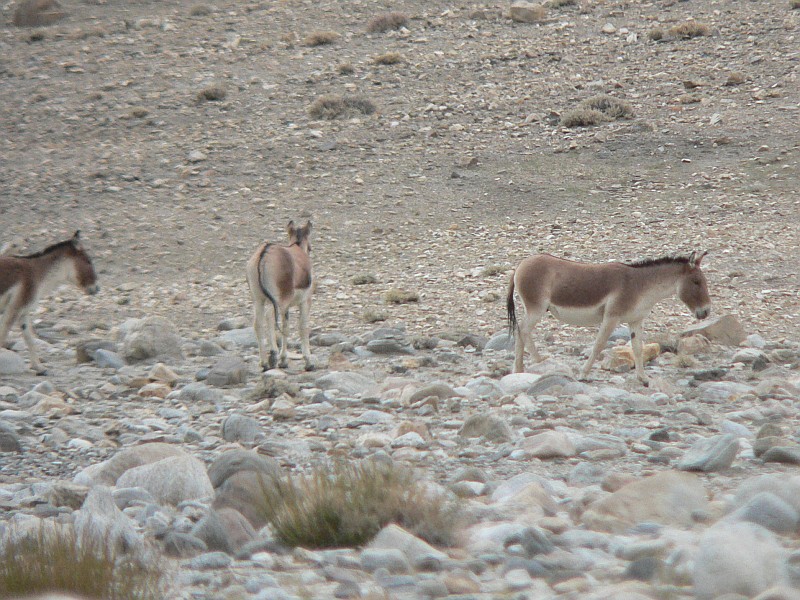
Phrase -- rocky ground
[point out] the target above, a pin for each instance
(177, 136)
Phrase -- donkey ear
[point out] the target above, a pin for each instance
(694, 259)
(290, 227)
(308, 226)
(76, 238)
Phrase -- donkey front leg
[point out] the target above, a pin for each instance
(606, 327)
(524, 339)
(7, 319)
(637, 345)
(260, 326)
(305, 346)
(27, 334)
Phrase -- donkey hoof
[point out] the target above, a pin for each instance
(310, 366)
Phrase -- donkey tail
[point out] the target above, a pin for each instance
(512, 312)
(264, 289)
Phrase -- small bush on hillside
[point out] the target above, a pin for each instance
(321, 38)
(560, 3)
(364, 279)
(390, 58)
(656, 34)
(332, 106)
(612, 107)
(690, 29)
(396, 296)
(346, 69)
(582, 117)
(213, 93)
(346, 504)
(200, 10)
(493, 270)
(386, 22)
(373, 316)
(51, 560)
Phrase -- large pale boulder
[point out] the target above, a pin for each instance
(725, 329)
(151, 337)
(171, 480)
(669, 498)
(107, 472)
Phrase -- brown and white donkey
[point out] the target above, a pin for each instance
(280, 277)
(601, 294)
(24, 280)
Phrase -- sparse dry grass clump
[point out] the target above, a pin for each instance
(736, 78)
(53, 559)
(200, 10)
(397, 296)
(332, 106)
(213, 93)
(612, 107)
(345, 68)
(582, 117)
(387, 22)
(493, 270)
(321, 38)
(560, 3)
(656, 34)
(690, 29)
(373, 316)
(389, 58)
(364, 279)
(346, 504)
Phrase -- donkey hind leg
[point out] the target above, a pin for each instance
(305, 346)
(283, 359)
(636, 346)
(27, 334)
(606, 327)
(524, 338)
(264, 328)
(7, 319)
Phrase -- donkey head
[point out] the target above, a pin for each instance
(85, 276)
(693, 289)
(300, 235)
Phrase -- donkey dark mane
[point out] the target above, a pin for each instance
(48, 250)
(664, 260)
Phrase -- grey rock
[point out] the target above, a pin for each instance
(234, 461)
(725, 329)
(517, 383)
(244, 491)
(549, 383)
(225, 529)
(9, 440)
(243, 338)
(328, 339)
(486, 426)
(391, 559)
(197, 392)
(418, 552)
(85, 350)
(438, 389)
(500, 341)
(389, 346)
(125, 497)
(151, 337)
(208, 348)
(211, 560)
(241, 428)
(183, 545)
(100, 521)
(228, 370)
(738, 558)
(484, 387)
(716, 453)
(11, 363)
(782, 454)
(722, 392)
(346, 382)
(107, 359)
(171, 480)
(769, 511)
(107, 472)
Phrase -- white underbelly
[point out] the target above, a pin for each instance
(592, 315)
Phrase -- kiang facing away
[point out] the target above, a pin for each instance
(25, 279)
(605, 294)
(280, 277)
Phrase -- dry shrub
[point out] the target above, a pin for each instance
(332, 106)
(582, 117)
(612, 107)
(346, 69)
(690, 29)
(493, 270)
(38, 13)
(200, 10)
(346, 504)
(736, 78)
(396, 296)
(386, 22)
(560, 3)
(390, 58)
(321, 38)
(55, 559)
(214, 92)
(373, 316)
(364, 279)
(656, 34)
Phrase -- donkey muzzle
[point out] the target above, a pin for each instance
(702, 313)
(92, 289)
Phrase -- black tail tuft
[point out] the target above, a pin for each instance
(264, 291)
(511, 309)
